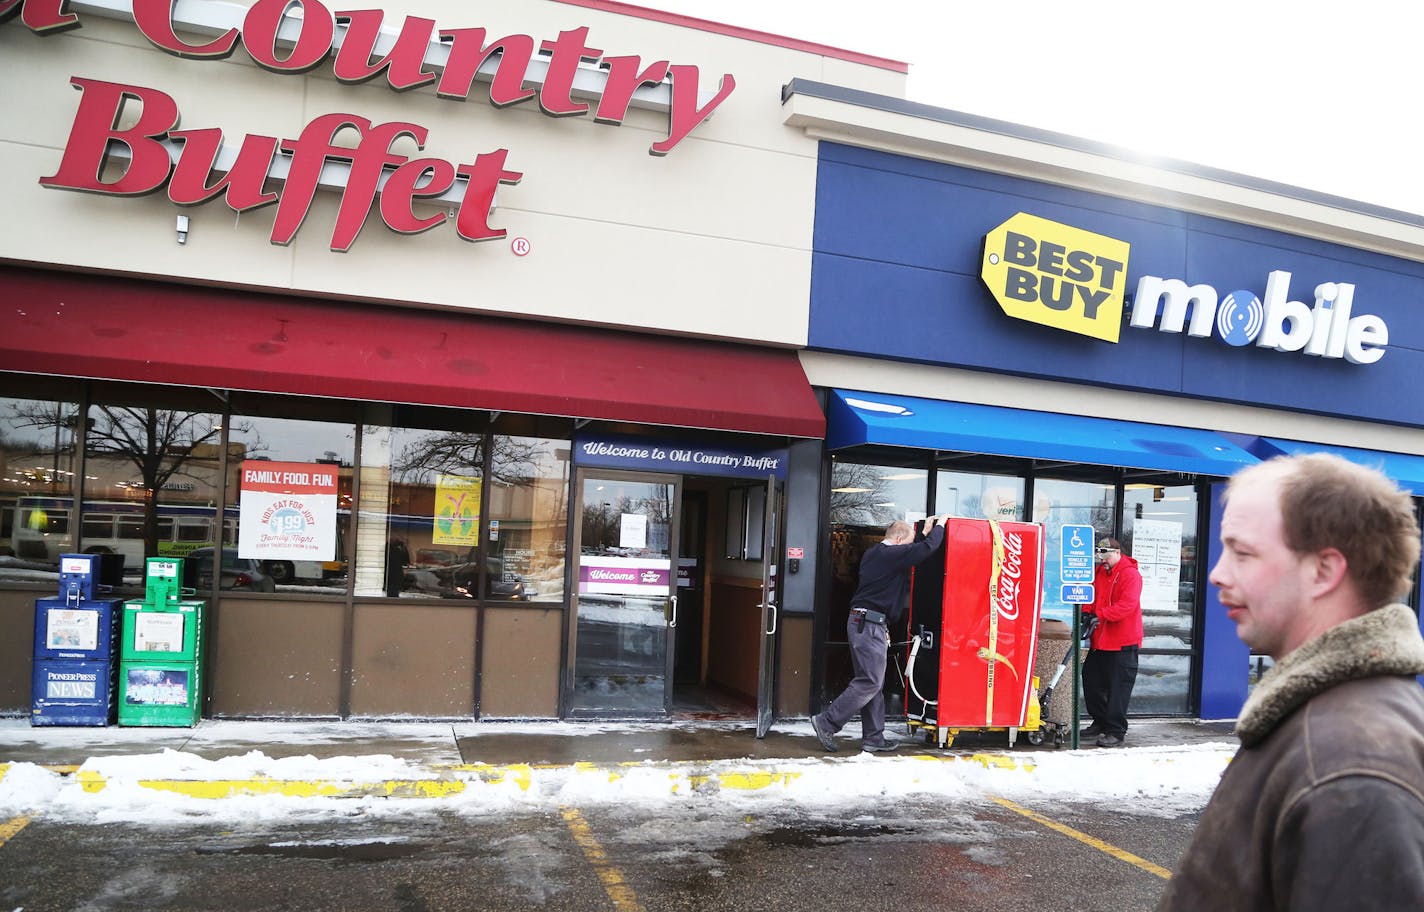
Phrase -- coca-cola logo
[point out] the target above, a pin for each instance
(1006, 600)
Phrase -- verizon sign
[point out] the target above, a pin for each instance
(565, 75)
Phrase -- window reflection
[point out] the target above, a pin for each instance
(528, 510)
(1159, 531)
(977, 496)
(422, 494)
(316, 457)
(153, 476)
(37, 481)
(871, 495)
(1057, 503)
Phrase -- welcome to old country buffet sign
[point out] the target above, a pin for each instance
(289, 37)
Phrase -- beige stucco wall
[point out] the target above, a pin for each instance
(712, 239)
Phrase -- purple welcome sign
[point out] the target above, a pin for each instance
(628, 576)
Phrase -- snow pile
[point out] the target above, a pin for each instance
(1158, 781)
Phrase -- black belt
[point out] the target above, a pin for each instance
(874, 617)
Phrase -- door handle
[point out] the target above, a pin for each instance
(673, 600)
(771, 607)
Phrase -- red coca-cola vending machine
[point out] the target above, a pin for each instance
(975, 614)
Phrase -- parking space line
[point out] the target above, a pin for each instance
(9, 828)
(624, 899)
(1114, 851)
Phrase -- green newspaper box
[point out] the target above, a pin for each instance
(161, 651)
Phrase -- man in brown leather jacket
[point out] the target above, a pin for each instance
(1323, 805)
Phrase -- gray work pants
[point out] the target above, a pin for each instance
(869, 646)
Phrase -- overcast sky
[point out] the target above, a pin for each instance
(1322, 95)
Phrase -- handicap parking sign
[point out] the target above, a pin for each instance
(1076, 594)
(1076, 565)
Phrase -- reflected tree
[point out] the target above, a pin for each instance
(459, 453)
(157, 442)
(855, 491)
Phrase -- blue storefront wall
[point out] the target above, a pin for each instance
(895, 274)
(1225, 659)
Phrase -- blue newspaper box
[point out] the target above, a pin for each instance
(83, 576)
(72, 692)
(75, 648)
(66, 629)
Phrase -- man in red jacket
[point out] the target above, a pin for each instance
(1110, 670)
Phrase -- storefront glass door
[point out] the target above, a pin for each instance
(770, 610)
(626, 604)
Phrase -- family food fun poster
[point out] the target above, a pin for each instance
(288, 511)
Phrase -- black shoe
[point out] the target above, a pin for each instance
(880, 747)
(824, 733)
(1092, 731)
(1107, 740)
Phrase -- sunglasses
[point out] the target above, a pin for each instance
(1105, 550)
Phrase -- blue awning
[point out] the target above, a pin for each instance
(858, 418)
(1407, 471)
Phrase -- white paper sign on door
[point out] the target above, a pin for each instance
(1157, 546)
(633, 531)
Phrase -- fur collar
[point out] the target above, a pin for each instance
(1382, 642)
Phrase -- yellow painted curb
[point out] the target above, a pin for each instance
(442, 787)
(298, 788)
(735, 781)
(446, 780)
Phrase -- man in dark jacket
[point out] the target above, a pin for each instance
(1323, 805)
(877, 603)
(1110, 670)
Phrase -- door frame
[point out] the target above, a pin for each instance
(773, 593)
(582, 474)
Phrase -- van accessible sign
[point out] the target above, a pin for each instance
(293, 37)
(686, 458)
(1065, 277)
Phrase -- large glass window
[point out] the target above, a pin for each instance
(875, 496)
(1159, 530)
(153, 467)
(422, 499)
(291, 499)
(37, 481)
(865, 499)
(528, 519)
(978, 496)
(1057, 503)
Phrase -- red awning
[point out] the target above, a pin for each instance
(126, 329)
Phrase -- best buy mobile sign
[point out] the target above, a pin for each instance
(1071, 279)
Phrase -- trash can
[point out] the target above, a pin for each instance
(76, 635)
(1053, 639)
(162, 651)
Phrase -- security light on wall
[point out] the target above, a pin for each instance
(182, 229)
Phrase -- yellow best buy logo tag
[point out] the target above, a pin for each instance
(1057, 275)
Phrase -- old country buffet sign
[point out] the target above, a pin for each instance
(515, 68)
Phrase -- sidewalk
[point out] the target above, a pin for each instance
(429, 760)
